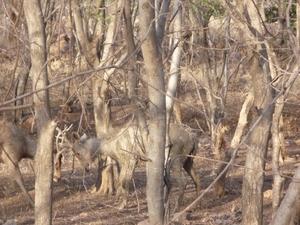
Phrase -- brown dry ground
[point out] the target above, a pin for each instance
(73, 204)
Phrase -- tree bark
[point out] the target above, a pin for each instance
(139, 111)
(174, 75)
(258, 144)
(285, 210)
(161, 20)
(219, 188)
(278, 179)
(102, 96)
(45, 129)
(245, 14)
(157, 110)
(298, 23)
(20, 89)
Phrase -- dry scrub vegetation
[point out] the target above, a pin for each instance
(74, 204)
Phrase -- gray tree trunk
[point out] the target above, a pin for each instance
(285, 210)
(219, 188)
(101, 94)
(132, 78)
(161, 20)
(278, 179)
(298, 23)
(258, 145)
(45, 129)
(157, 111)
(245, 14)
(19, 90)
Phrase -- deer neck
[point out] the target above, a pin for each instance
(31, 147)
(95, 146)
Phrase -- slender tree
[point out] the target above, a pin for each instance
(45, 128)
(253, 179)
(174, 75)
(96, 57)
(157, 111)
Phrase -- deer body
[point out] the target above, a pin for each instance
(15, 146)
(183, 143)
(126, 148)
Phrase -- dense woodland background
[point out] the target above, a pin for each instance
(228, 69)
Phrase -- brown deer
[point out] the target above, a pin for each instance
(14, 146)
(127, 148)
(184, 145)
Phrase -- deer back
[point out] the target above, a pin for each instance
(126, 144)
(183, 139)
(15, 144)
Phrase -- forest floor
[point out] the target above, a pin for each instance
(74, 204)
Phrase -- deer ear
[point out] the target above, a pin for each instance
(75, 136)
(83, 137)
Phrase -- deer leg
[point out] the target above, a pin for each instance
(189, 168)
(106, 173)
(16, 174)
(181, 181)
(95, 188)
(126, 174)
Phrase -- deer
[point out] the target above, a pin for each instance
(126, 147)
(15, 145)
(184, 146)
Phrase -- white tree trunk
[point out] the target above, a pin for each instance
(175, 66)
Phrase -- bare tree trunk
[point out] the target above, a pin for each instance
(219, 188)
(21, 85)
(161, 20)
(281, 38)
(278, 179)
(174, 75)
(45, 129)
(102, 95)
(289, 209)
(295, 217)
(245, 15)
(20, 89)
(258, 144)
(283, 154)
(298, 23)
(132, 73)
(278, 143)
(157, 109)
(285, 210)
